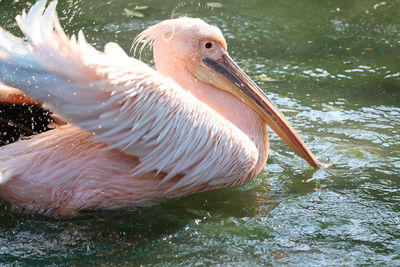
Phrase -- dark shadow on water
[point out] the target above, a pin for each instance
(131, 234)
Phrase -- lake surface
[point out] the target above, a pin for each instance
(333, 67)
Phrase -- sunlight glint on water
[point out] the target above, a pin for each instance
(333, 68)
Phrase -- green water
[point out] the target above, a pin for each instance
(333, 67)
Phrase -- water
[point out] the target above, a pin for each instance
(333, 68)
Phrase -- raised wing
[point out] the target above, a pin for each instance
(124, 103)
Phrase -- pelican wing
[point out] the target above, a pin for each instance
(124, 103)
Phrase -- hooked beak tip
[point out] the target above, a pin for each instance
(226, 75)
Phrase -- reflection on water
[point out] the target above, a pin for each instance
(333, 68)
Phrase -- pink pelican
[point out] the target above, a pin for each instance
(132, 136)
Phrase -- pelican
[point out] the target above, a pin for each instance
(130, 135)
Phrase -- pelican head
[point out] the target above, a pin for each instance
(200, 50)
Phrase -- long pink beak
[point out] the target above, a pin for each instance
(243, 87)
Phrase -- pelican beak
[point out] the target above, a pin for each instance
(226, 75)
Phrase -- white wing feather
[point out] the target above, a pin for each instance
(124, 103)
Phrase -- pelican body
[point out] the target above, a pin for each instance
(130, 136)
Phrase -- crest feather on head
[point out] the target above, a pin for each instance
(148, 36)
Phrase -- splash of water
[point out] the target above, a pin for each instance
(188, 8)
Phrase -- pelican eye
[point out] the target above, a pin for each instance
(208, 45)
